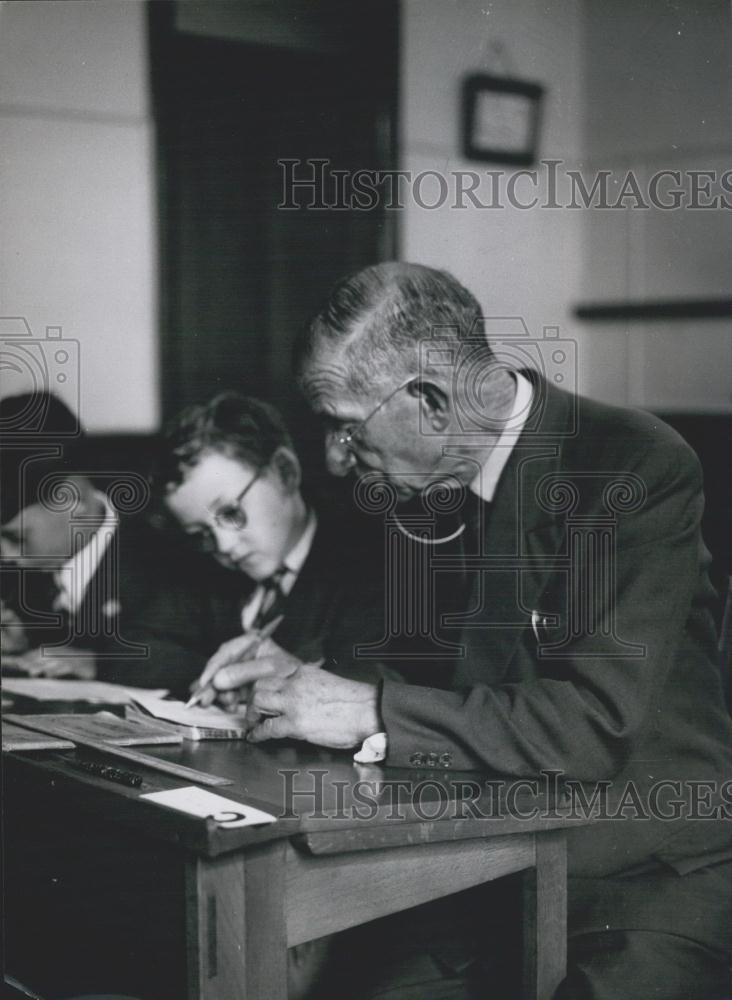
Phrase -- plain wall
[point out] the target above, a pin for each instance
(77, 207)
(630, 85)
(519, 263)
(658, 80)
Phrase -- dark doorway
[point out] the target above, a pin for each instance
(240, 274)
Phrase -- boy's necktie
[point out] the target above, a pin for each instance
(273, 599)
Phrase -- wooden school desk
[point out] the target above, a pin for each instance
(106, 892)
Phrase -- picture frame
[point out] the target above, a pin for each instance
(500, 119)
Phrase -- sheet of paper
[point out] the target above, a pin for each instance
(176, 711)
(198, 802)
(97, 692)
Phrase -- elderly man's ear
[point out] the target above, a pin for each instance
(285, 462)
(435, 403)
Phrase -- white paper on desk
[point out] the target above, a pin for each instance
(176, 711)
(96, 692)
(198, 802)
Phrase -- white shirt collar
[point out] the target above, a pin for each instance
(73, 578)
(485, 483)
(295, 558)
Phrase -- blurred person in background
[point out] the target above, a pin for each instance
(90, 591)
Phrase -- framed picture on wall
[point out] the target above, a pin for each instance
(500, 119)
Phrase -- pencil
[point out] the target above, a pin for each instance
(264, 633)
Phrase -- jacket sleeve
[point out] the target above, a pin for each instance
(584, 713)
(171, 616)
(164, 664)
(160, 641)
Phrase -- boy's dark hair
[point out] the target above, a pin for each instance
(237, 426)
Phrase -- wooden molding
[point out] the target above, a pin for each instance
(662, 309)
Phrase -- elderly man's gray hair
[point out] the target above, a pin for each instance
(380, 316)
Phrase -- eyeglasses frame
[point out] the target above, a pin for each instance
(346, 440)
(217, 517)
(204, 541)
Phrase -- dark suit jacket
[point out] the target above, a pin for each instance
(335, 603)
(155, 611)
(588, 645)
(183, 606)
(151, 614)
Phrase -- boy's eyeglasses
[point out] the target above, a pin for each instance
(231, 517)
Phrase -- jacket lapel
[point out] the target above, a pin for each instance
(310, 605)
(517, 547)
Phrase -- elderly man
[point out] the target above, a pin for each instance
(586, 643)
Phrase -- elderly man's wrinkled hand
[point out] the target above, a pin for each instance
(312, 704)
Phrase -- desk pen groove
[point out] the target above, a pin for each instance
(143, 759)
(98, 769)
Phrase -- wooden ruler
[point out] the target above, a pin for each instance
(136, 756)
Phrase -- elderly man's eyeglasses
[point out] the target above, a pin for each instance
(229, 517)
(347, 437)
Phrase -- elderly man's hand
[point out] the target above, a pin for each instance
(314, 705)
(230, 684)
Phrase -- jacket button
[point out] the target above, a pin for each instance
(446, 760)
(431, 760)
(417, 759)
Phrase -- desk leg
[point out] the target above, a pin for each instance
(545, 918)
(237, 944)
